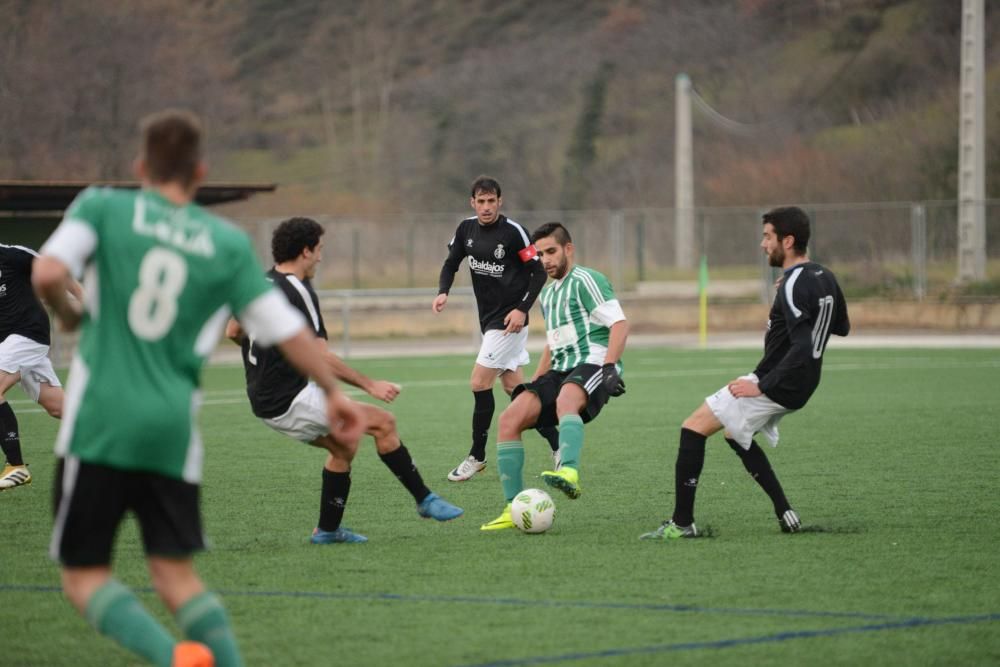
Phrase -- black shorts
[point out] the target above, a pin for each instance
(91, 501)
(547, 387)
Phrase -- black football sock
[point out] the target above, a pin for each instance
(482, 417)
(756, 463)
(333, 499)
(10, 441)
(687, 470)
(401, 465)
(551, 434)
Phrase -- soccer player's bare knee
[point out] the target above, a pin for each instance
(336, 463)
(7, 380)
(381, 423)
(340, 453)
(51, 399)
(519, 416)
(702, 421)
(509, 424)
(511, 379)
(483, 378)
(571, 400)
(80, 583)
(175, 580)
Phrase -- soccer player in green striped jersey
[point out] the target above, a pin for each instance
(161, 276)
(579, 371)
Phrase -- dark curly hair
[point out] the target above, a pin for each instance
(293, 236)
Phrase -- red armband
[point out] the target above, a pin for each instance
(527, 254)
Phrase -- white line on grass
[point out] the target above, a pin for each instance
(238, 396)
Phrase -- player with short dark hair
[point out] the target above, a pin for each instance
(24, 356)
(161, 276)
(171, 147)
(290, 404)
(506, 279)
(807, 308)
(579, 371)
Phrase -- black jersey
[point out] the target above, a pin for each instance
(21, 312)
(506, 271)
(808, 307)
(272, 383)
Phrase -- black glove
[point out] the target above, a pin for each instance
(612, 381)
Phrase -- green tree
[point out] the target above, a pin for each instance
(583, 149)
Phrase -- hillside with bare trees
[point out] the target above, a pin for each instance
(385, 106)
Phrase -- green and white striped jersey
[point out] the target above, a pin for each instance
(579, 310)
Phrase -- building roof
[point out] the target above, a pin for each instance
(40, 197)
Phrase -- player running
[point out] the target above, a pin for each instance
(161, 276)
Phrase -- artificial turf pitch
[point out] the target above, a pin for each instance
(893, 467)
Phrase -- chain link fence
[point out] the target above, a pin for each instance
(379, 275)
(894, 249)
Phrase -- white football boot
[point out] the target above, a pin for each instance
(466, 469)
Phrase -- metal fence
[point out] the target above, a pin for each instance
(379, 275)
(905, 249)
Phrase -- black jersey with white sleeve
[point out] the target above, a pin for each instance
(21, 312)
(808, 307)
(272, 383)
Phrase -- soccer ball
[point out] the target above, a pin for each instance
(532, 511)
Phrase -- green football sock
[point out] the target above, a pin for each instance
(115, 611)
(203, 619)
(570, 440)
(510, 463)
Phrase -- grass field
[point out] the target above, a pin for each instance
(893, 467)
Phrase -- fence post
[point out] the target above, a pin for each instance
(766, 274)
(813, 226)
(262, 236)
(703, 232)
(355, 258)
(617, 228)
(410, 241)
(640, 241)
(345, 318)
(918, 236)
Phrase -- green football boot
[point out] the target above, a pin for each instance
(565, 479)
(669, 530)
(502, 522)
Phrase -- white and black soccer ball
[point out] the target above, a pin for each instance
(533, 511)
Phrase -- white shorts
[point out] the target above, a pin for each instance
(305, 418)
(504, 353)
(743, 417)
(31, 359)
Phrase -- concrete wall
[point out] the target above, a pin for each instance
(402, 318)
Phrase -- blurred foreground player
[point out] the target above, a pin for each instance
(161, 275)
